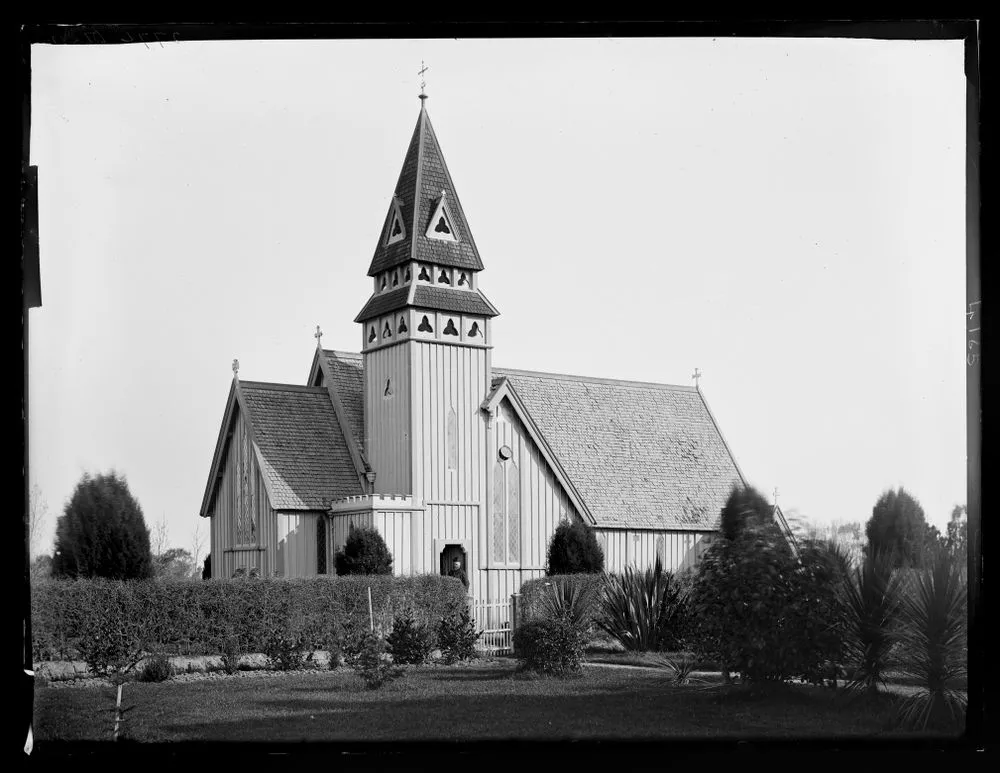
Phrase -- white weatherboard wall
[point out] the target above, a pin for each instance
(296, 544)
(678, 550)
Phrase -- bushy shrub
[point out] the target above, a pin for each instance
(156, 668)
(409, 642)
(746, 509)
(549, 646)
(457, 636)
(574, 549)
(102, 532)
(365, 552)
(898, 527)
(372, 664)
(644, 610)
(761, 612)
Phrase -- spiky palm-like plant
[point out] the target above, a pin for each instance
(573, 602)
(872, 596)
(933, 640)
(642, 610)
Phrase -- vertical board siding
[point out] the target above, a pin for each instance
(637, 548)
(296, 544)
(227, 556)
(387, 419)
(446, 378)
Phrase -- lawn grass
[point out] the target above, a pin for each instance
(487, 701)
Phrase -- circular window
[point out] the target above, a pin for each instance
(505, 453)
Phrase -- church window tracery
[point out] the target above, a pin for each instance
(371, 335)
(474, 330)
(444, 279)
(424, 276)
(425, 326)
(402, 326)
(450, 329)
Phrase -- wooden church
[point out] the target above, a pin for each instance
(422, 438)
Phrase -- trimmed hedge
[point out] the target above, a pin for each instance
(199, 617)
(532, 606)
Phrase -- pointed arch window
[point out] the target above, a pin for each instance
(382, 286)
(402, 326)
(474, 330)
(246, 527)
(452, 439)
(406, 276)
(506, 511)
(395, 279)
(463, 279)
(371, 335)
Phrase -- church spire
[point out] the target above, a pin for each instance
(425, 221)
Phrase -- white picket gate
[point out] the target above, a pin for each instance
(494, 619)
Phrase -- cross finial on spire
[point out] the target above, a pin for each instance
(423, 83)
(318, 335)
(236, 368)
(775, 496)
(696, 375)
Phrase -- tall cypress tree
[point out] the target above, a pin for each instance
(898, 526)
(102, 532)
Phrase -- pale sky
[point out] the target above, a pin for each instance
(786, 215)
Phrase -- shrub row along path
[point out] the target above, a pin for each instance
(482, 700)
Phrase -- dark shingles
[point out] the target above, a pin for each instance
(304, 454)
(348, 377)
(427, 297)
(641, 455)
(434, 178)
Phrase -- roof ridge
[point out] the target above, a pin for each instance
(275, 386)
(593, 379)
(339, 353)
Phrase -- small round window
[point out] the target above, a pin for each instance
(505, 453)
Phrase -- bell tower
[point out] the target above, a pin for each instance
(426, 338)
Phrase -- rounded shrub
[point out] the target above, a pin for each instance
(549, 646)
(157, 668)
(365, 552)
(456, 636)
(574, 549)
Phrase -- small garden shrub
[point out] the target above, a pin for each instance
(549, 647)
(457, 636)
(409, 642)
(574, 549)
(157, 668)
(365, 552)
(373, 665)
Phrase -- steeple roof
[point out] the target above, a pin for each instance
(418, 196)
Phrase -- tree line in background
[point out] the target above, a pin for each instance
(102, 532)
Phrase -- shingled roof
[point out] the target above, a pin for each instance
(641, 455)
(347, 373)
(423, 176)
(427, 297)
(305, 458)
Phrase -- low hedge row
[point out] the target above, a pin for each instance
(194, 617)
